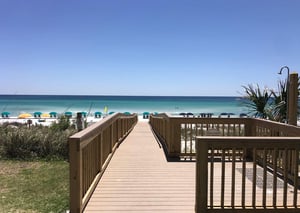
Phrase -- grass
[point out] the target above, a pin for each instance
(34, 186)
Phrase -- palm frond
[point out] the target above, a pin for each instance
(257, 100)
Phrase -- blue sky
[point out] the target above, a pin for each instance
(146, 47)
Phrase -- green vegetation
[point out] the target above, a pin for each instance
(62, 124)
(279, 108)
(258, 101)
(34, 172)
(266, 103)
(36, 142)
(34, 186)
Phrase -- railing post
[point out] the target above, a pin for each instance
(293, 99)
(75, 176)
(111, 132)
(175, 139)
(168, 132)
(250, 127)
(119, 128)
(250, 130)
(100, 141)
(201, 176)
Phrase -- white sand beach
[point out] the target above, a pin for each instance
(48, 121)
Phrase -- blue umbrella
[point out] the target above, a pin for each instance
(68, 114)
(223, 114)
(5, 114)
(37, 114)
(98, 114)
(189, 114)
(182, 113)
(146, 114)
(243, 115)
(53, 114)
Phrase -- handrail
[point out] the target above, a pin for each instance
(178, 134)
(271, 147)
(284, 196)
(89, 153)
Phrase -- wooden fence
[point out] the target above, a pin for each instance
(178, 134)
(90, 151)
(243, 164)
(269, 183)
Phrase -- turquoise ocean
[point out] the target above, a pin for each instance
(16, 104)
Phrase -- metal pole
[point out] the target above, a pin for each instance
(287, 90)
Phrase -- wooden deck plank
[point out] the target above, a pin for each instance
(140, 179)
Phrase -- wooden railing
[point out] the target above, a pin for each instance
(90, 151)
(246, 151)
(178, 134)
(227, 183)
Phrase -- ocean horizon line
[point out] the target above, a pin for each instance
(181, 96)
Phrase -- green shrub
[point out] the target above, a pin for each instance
(35, 142)
(62, 125)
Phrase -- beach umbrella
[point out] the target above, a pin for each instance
(98, 114)
(111, 113)
(223, 114)
(146, 114)
(68, 114)
(189, 114)
(127, 113)
(45, 115)
(182, 113)
(5, 114)
(25, 115)
(37, 114)
(243, 115)
(53, 114)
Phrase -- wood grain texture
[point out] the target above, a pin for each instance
(140, 179)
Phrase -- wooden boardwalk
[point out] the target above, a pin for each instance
(140, 179)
